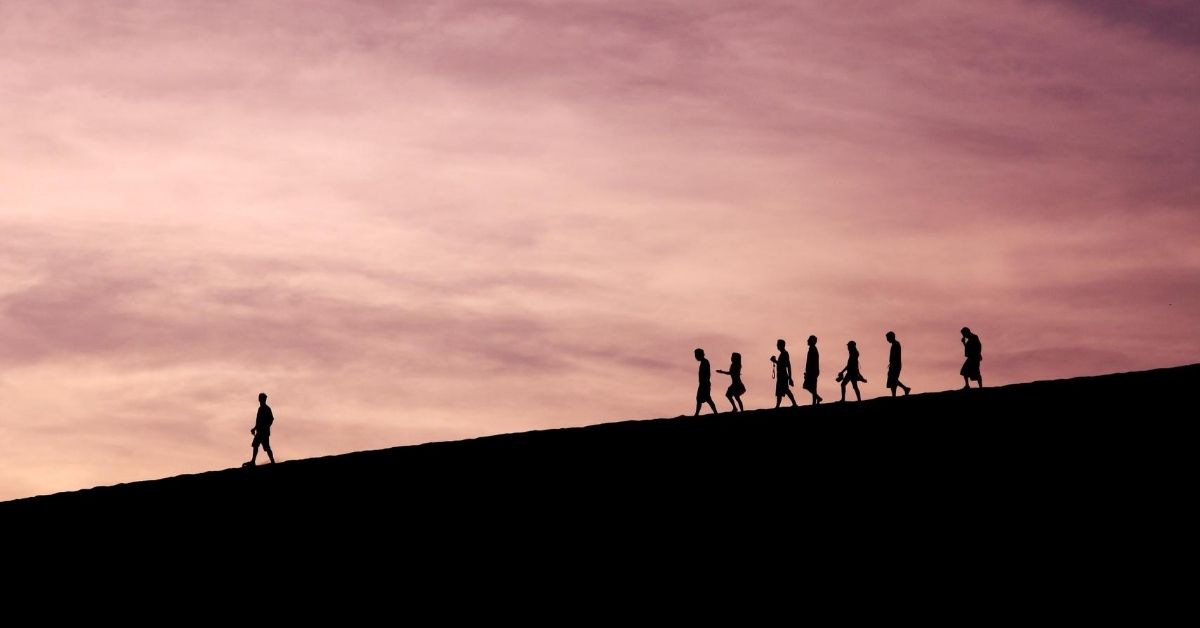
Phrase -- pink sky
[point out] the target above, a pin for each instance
(415, 221)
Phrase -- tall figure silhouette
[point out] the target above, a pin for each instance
(812, 370)
(704, 392)
(893, 378)
(783, 374)
(851, 374)
(736, 387)
(974, 352)
(262, 431)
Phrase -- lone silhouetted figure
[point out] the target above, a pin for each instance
(974, 352)
(262, 430)
(783, 375)
(893, 378)
(812, 370)
(736, 387)
(704, 392)
(851, 373)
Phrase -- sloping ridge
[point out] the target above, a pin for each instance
(1005, 454)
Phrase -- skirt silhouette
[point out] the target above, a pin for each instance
(970, 369)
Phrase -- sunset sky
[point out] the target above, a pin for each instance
(416, 221)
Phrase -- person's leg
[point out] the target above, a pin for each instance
(791, 398)
(901, 384)
(981, 381)
(741, 406)
(843, 390)
(254, 456)
(267, 448)
(713, 406)
(697, 413)
(857, 395)
(893, 390)
(966, 382)
(732, 402)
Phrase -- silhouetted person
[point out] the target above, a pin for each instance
(851, 374)
(736, 387)
(893, 378)
(262, 430)
(974, 352)
(783, 375)
(812, 369)
(704, 392)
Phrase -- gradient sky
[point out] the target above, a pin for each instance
(415, 221)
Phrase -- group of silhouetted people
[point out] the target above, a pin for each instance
(850, 375)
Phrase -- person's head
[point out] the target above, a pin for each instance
(812, 341)
(780, 344)
(966, 332)
(699, 354)
(852, 346)
(262, 397)
(736, 358)
(891, 336)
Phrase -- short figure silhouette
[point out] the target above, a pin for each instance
(262, 431)
(974, 352)
(893, 376)
(736, 387)
(704, 392)
(851, 374)
(812, 369)
(783, 374)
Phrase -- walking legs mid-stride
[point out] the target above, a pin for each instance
(973, 349)
(262, 431)
(893, 376)
(736, 387)
(704, 391)
(783, 375)
(851, 374)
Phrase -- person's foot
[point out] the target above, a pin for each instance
(820, 399)
(907, 390)
(248, 464)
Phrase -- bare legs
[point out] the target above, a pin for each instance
(779, 399)
(854, 383)
(266, 448)
(900, 384)
(710, 404)
(736, 402)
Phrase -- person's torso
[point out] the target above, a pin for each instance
(735, 371)
(785, 360)
(813, 363)
(264, 419)
(894, 356)
(705, 375)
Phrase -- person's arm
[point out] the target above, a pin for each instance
(722, 372)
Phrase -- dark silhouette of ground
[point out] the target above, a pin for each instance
(981, 480)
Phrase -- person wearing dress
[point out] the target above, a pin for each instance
(973, 349)
(851, 374)
(736, 387)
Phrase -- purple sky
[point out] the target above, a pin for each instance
(414, 221)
